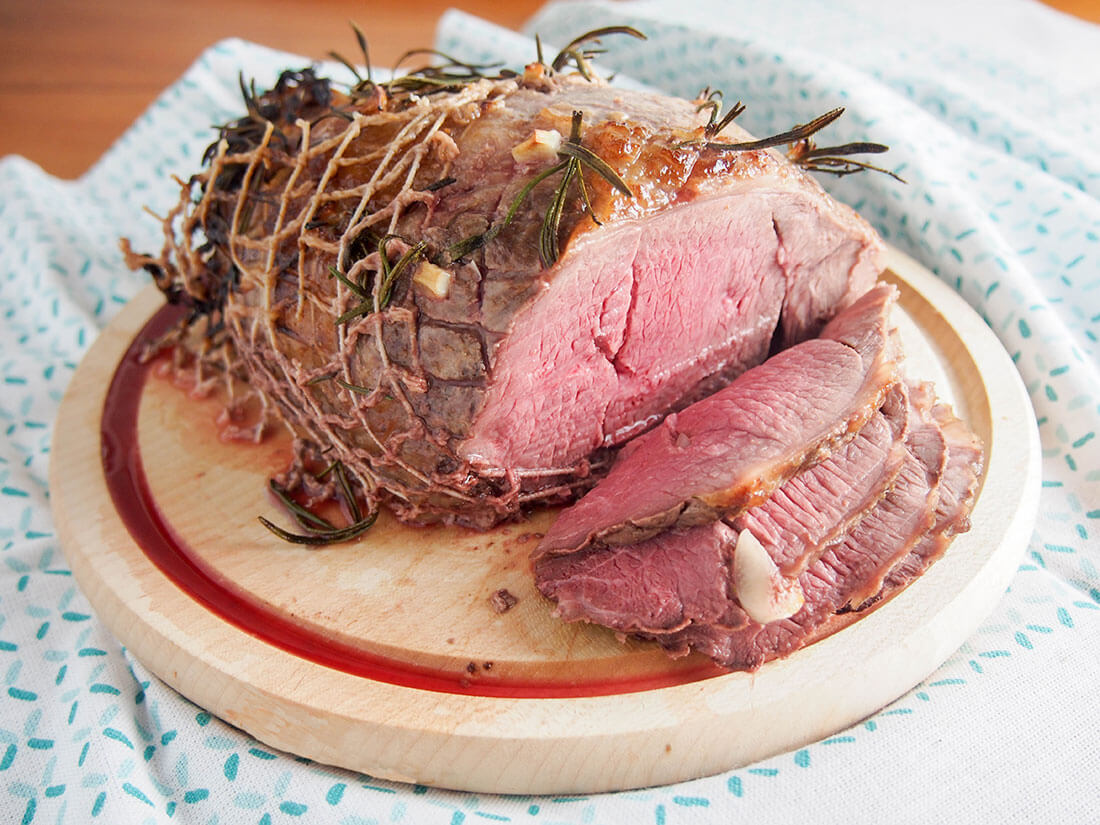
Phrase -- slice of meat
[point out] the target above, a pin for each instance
(630, 329)
(848, 572)
(696, 606)
(911, 503)
(682, 577)
(957, 493)
(891, 529)
(661, 585)
(819, 505)
(731, 450)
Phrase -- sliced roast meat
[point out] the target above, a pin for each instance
(698, 607)
(910, 507)
(617, 340)
(662, 585)
(819, 505)
(489, 372)
(956, 494)
(731, 450)
(957, 491)
(683, 576)
(839, 580)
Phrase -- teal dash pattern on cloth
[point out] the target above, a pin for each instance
(995, 138)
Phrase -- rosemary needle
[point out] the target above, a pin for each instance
(307, 519)
(328, 537)
(321, 531)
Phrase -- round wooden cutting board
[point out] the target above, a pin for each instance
(388, 656)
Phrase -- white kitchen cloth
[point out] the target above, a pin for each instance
(992, 112)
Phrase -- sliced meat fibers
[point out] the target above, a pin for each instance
(733, 449)
(682, 577)
(955, 496)
(958, 488)
(817, 506)
(661, 585)
(847, 574)
(696, 606)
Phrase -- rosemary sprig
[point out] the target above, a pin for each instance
(248, 92)
(336, 536)
(727, 119)
(432, 80)
(363, 86)
(246, 216)
(713, 100)
(835, 160)
(460, 249)
(449, 75)
(356, 311)
(572, 156)
(304, 517)
(320, 531)
(337, 469)
(802, 151)
(358, 289)
(448, 63)
(354, 387)
(581, 155)
(467, 245)
(577, 52)
(551, 221)
(390, 273)
(360, 390)
(296, 94)
(796, 133)
(440, 184)
(707, 99)
(584, 199)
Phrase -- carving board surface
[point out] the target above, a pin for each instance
(386, 656)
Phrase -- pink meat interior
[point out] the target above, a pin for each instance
(633, 320)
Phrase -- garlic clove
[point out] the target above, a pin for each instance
(433, 279)
(763, 592)
(541, 147)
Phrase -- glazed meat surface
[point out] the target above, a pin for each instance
(382, 270)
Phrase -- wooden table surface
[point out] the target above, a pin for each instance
(74, 74)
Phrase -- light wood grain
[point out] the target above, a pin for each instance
(436, 583)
